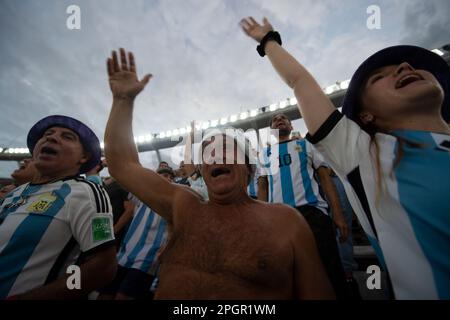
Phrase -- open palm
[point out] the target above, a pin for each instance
(123, 80)
(255, 30)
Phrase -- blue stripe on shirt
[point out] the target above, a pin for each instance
(25, 238)
(142, 239)
(131, 230)
(287, 189)
(420, 172)
(306, 180)
(151, 255)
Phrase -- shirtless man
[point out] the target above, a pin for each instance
(230, 247)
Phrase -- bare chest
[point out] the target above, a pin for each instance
(242, 246)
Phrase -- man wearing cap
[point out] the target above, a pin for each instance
(230, 247)
(57, 221)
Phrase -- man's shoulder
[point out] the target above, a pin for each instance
(278, 208)
(282, 216)
(186, 193)
(83, 189)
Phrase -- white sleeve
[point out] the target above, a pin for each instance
(263, 165)
(316, 157)
(341, 142)
(90, 215)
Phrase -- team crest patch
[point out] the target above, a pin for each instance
(298, 148)
(43, 203)
(101, 229)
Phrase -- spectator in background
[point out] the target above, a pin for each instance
(182, 176)
(288, 175)
(138, 253)
(346, 247)
(122, 208)
(93, 175)
(163, 164)
(5, 190)
(25, 173)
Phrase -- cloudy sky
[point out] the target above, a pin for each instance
(204, 67)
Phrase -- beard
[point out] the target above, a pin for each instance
(284, 132)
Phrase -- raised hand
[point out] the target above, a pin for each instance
(254, 30)
(123, 80)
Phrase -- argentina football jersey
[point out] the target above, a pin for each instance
(290, 169)
(45, 227)
(406, 213)
(145, 237)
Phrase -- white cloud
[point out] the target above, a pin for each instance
(204, 67)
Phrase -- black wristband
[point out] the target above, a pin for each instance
(271, 35)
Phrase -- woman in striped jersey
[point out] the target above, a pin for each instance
(391, 147)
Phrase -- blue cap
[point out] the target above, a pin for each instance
(88, 139)
(417, 57)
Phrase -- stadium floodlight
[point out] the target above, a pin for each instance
(233, 118)
(254, 112)
(148, 137)
(205, 125)
(135, 139)
(198, 126)
(214, 123)
(438, 52)
(168, 133)
(273, 107)
(182, 131)
(162, 135)
(1, 149)
(25, 150)
(344, 84)
(293, 101)
(175, 132)
(102, 145)
(331, 89)
(141, 139)
(284, 104)
(243, 115)
(223, 121)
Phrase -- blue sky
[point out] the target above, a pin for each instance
(204, 67)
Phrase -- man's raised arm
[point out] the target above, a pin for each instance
(120, 148)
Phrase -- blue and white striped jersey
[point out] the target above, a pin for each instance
(406, 215)
(290, 168)
(145, 237)
(45, 227)
(252, 188)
